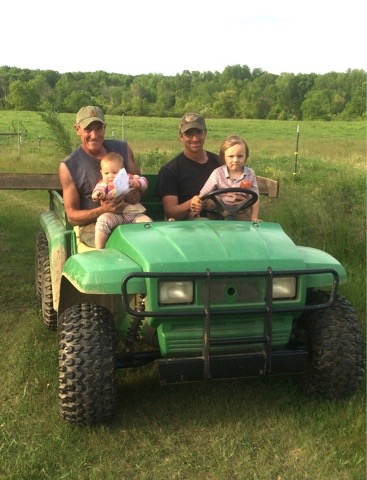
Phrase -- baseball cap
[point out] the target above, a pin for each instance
(87, 115)
(192, 120)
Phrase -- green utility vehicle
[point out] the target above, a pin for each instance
(203, 300)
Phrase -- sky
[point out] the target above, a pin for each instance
(168, 36)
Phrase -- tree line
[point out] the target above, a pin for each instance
(236, 92)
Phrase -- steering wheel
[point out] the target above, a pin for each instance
(225, 209)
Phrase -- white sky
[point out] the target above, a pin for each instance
(169, 36)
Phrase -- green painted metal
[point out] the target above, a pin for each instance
(193, 247)
(315, 258)
(230, 248)
(101, 271)
(185, 336)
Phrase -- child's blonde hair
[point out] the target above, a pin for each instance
(230, 142)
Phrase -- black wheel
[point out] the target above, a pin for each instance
(249, 198)
(40, 255)
(87, 376)
(335, 342)
(49, 315)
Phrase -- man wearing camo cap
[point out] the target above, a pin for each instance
(181, 179)
(80, 171)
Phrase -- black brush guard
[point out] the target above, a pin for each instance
(220, 366)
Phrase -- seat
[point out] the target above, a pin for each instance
(84, 238)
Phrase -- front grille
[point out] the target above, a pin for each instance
(232, 291)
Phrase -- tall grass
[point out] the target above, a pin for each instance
(262, 429)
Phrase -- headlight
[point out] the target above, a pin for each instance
(284, 287)
(176, 292)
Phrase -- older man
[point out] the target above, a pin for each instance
(80, 171)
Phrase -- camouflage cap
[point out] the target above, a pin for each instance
(87, 115)
(192, 120)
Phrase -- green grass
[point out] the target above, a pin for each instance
(155, 140)
(246, 429)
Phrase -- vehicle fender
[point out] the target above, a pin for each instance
(101, 272)
(315, 258)
(59, 241)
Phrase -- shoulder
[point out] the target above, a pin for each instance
(76, 161)
(213, 157)
(222, 170)
(173, 164)
(219, 172)
(248, 171)
(177, 159)
(115, 145)
(73, 155)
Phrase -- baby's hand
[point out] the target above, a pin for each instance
(97, 195)
(133, 183)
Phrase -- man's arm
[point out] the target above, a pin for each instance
(133, 167)
(174, 210)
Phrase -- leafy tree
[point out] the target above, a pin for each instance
(259, 96)
(355, 84)
(24, 95)
(234, 93)
(316, 105)
(166, 98)
(356, 107)
(76, 99)
(291, 91)
(235, 72)
(226, 105)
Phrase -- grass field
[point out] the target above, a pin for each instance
(248, 429)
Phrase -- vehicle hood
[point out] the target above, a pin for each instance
(199, 245)
(193, 246)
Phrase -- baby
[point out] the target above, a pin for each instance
(105, 190)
